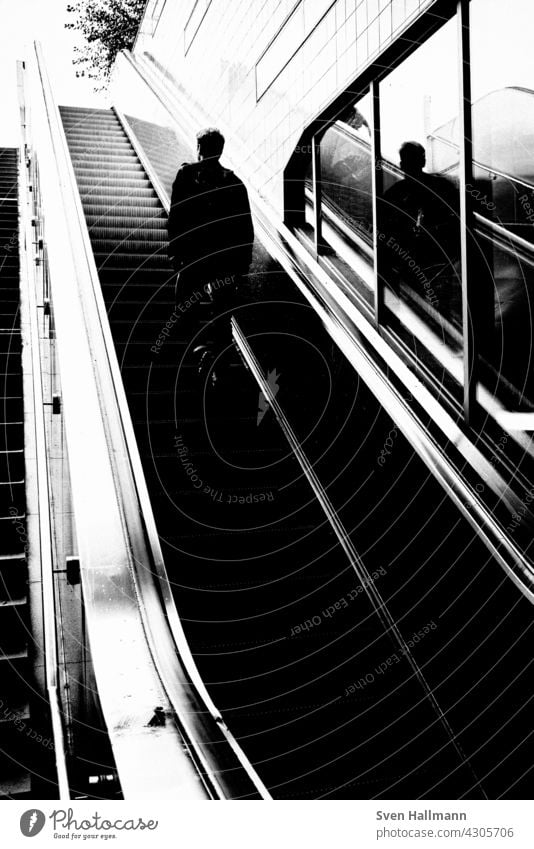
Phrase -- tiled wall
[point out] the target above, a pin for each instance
(218, 72)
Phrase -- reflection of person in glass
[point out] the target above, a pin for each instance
(346, 169)
(421, 231)
(356, 120)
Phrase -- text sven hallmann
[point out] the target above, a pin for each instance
(421, 815)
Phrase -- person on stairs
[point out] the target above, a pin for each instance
(210, 241)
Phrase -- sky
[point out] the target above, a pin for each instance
(22, 22)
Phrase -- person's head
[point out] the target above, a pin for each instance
(210, 144)
(412, 158)
(358, 120)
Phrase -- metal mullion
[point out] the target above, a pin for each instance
(317, 194)
(377, 190)
(470, 309)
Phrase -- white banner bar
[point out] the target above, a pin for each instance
(272, 825)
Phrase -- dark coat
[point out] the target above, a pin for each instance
(422, 216)
(210, 226)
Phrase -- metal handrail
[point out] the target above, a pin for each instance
(478, 164)
(506, 235)
(29, 319)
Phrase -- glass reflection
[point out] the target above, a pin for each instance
(345, 183)
(503, 154)
(419, 210)
(346, 169)
(421, 234)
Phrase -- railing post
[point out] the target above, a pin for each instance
(471, 310)
(317, 195)
(377, 190)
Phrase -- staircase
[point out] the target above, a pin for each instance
(279, 627)
(15, 641)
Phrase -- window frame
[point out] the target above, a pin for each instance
(406, 43)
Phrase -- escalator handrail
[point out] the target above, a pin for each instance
(477, 164)
(505, 235)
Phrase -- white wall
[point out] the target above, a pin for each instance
(218, 70)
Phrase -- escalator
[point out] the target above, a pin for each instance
(281, 628)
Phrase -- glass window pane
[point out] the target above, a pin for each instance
(503, 153)
(345, 181)
(419, 211)
(346, 169)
